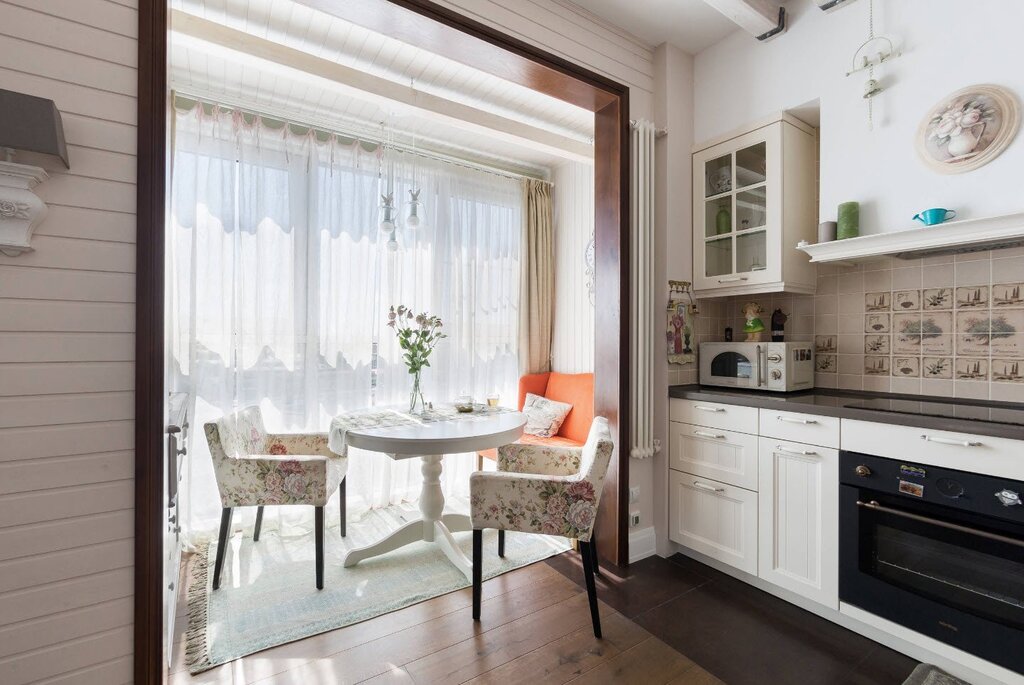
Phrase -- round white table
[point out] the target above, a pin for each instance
(430, 442)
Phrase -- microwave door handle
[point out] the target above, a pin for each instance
(875, 506)
(760, 367)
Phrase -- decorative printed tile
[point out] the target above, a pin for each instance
(906, 333)
(906, 300)
(937, 333)
(825, 363)
(909, 367)
(968, 369)
(1007, 295)
(972, 333)
(1007, 370)
(937, 298)
(1007, 333)
(876, 366)
(877, 302)
(937, 367)
(876, 323)
(876, 344)
(972, 297)
(824, 344)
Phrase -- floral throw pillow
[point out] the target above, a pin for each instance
(543, 416)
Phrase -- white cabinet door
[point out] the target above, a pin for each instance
(798, 518)
(723, 455)
(714, 518)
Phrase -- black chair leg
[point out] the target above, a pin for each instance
(342, 495)
(501, 544)
(593, 555)
(478, 558)
(319, 548)
(588, 574)
(222, 544)
(259, 524)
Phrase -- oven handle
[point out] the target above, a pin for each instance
(875, 506)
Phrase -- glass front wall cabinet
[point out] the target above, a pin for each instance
(754, 200)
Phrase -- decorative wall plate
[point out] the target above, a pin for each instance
(968, 129)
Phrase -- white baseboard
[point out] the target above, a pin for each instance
(642, 544)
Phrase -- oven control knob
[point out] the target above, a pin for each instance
(1008, 498)
(862, 471)
(776, 374)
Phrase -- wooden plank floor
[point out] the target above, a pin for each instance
(535, 628)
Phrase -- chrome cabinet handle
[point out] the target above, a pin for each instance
(806, 422)
(802, 453)
(704, 486)
(705, 434)
(732, 279)
(713, 409)
(950, 441)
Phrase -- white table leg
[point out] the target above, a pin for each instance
(434, 526)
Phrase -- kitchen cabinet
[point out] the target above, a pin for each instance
(714, 518)
(753, 201)
(798, 518)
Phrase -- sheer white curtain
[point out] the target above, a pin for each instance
(279, 282)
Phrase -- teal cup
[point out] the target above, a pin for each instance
(935, 215)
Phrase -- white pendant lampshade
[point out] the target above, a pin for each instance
(414, 219)
(387, 213)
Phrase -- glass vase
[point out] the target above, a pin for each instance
(417, 405)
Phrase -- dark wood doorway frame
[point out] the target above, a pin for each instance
(446, 32)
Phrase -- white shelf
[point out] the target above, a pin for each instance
(969, 235)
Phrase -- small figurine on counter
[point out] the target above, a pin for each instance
(754, 326)
(779, 320)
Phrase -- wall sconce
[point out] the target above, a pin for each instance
(33, 125)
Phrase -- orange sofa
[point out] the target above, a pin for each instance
(576, 389)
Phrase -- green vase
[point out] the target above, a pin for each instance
(723, 221)
(849, 220)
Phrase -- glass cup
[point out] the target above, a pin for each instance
(464, 403)
(492, 400)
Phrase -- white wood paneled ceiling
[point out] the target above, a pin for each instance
(201, 65)
(688, 24)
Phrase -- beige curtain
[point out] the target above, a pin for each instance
(537, 281)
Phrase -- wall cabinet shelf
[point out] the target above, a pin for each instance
(753, 199)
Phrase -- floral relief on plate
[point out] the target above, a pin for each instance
(877, 302)
(1007, 370)
(937, 298)
(972, 297)
(825, 344)
(972, 333)
(1007, 295)
(937, 367)
(876, 323)
(876, 344)
(825, 363)
(906, 300)
(968, 369)
(906, 333)
(1007, 333)
(906, 366)
(876, 366)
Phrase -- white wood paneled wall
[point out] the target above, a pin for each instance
(572, 344)
(66, 357)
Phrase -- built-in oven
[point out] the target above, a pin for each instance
(935, 550)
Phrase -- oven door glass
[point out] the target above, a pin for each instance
(733, 365)
(963, 561)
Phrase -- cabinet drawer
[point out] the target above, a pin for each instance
(962, 451)
(725, 456)
(806, 428)
(715, 415)
(714, 518)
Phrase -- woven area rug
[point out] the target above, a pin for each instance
(926, 674)
(268, 594)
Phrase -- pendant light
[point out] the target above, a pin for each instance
(414, 217)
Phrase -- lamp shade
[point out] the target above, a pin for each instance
(31, 124)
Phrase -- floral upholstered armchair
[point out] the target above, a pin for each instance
(255, 468)
(547, 490)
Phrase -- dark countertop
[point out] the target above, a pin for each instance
(980, 417)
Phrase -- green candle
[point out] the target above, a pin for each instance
(849, 220)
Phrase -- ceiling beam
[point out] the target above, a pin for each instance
(368, 87)
(762, 19)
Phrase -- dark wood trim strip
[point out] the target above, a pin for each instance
(150, 517)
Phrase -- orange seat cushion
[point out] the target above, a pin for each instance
(527, 439)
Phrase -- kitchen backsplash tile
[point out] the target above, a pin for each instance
(945, 326)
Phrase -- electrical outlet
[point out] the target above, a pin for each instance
(634, 518)
(634, 494)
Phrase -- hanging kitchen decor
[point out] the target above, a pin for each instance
(968, 129)
(873, 52)
(679, 336)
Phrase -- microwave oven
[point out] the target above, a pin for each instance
(776, 366)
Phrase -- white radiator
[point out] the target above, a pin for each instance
(642, 324)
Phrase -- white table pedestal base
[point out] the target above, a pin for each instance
(434, 526)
